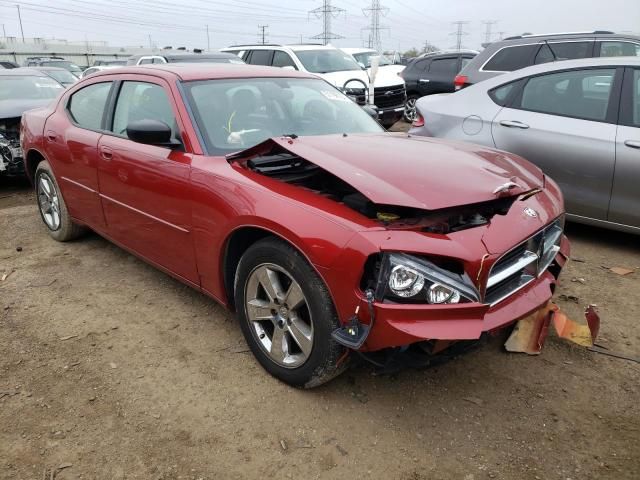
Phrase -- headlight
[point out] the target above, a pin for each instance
(408, 278)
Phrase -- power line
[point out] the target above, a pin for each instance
(375, 11)
(327, 12)
(262, 33)
(459, 33)
(487, 33)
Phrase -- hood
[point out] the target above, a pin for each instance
(15, 108)
(338, 79)
(421, 173)
(388, 77)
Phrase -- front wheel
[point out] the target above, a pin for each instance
(286, 314)
(410, 112)
(53, 209)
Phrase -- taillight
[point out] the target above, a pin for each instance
(419, 121)
(460, 81)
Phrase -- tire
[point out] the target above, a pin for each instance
(51, 205)
(410, 108)
(308, 356)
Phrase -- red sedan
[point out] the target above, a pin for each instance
(276, 195)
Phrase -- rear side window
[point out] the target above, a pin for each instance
(282, 59)
(511, 58)
(418, 66)
(580, 94)
(630, 110)
(465, 62)
(550, 52)
(260, 57)
(444, 66)
(86, 106)
(502, 94)
(619, 49)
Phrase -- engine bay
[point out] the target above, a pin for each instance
(292, 169)
(10, 152)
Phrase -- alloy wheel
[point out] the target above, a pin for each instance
(48, 201)
(410, 112)
(279, 315)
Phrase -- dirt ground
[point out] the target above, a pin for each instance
(113, 370)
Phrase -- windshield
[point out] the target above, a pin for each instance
(326, 61)
(236, 114)
(28, 88)
(65, 77)
(365, 59)
(72, 67)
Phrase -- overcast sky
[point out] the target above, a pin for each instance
(409, 22)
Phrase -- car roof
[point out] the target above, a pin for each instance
(203, 71)
(50, 69)
(561, 65)
(294, 47)
(22, 72)
(538, 38)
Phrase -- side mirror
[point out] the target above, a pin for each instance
(150, 132)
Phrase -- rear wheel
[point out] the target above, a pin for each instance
(53, 209)
(286, 314)
(410, 112)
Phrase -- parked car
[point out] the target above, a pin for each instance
(60, 75)
(522, 51)
(97, 68)
(432, 73)
(183, 57)
(275, 194)
(8, 64)
(336, 67)
(54, 62)
(579, 120)
(21, 89)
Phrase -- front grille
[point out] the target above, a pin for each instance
(522, 264)
(386, 97)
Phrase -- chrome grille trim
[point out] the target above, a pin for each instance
(523, 263)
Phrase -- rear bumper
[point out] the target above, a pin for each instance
(402, 324)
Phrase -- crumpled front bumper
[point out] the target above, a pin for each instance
(403, 324)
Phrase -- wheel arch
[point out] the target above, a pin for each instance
(31, 161)
(239, 241)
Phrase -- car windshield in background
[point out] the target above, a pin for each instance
(72, 67)
(239, 113)
(28, 88)
(195, 59)
(326, 61)
(65, 77)
(365, 59)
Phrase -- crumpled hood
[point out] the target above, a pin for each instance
(416, 172)
(15, 108)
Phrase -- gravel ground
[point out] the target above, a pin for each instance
(110, 369)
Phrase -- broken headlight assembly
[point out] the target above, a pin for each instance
(405, 278)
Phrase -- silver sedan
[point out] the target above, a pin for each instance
(578, 120)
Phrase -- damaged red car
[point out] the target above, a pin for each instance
(275, 194)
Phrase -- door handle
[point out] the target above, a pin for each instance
(106, 153)
(51, 136)
(632, 143)
(423, 80)
(514, 124)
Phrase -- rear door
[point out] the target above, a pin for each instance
(440, 77)
(564, 122)
(71, 139)
(625, 199)
(145, 189)
(556, 51)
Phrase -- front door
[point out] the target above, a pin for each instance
(564, 122)
(145, 188)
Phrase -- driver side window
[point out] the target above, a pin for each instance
(142, 101)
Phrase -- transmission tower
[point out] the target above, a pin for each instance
(375, 11)
(327, 12)
(262, 33)
(459, 33)
(488, 27)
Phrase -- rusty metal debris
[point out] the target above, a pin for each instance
(529, 334)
